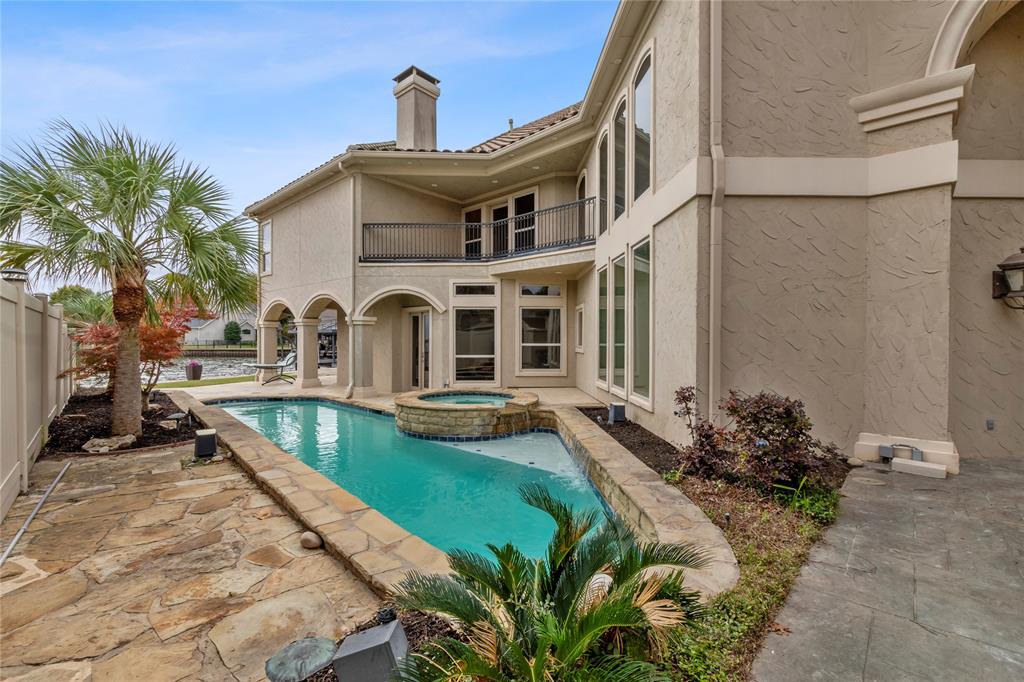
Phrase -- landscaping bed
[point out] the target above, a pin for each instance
(87, 416)
(771, 542)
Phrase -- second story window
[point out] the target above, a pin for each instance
(643, 130)
(602, 183)
(266, 241)
(620, 160)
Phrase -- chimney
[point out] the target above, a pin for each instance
(416, 93)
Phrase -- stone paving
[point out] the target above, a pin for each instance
(919, 579)
(137, 565)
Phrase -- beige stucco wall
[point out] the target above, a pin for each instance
(312, 249)
(987, 338)
(675, 31)
(383, 202)
(789, 70)
(991, 122)
(793, 286)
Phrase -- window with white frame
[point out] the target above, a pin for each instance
(641, 308)
(643, 129)
(578, 328)
(602, 325)
(540, 339)
(619, 324)
(602, 184)
(474, 289)
(554, 290)
(620, 159)
(473, 237)
(266, 242)
(475, 345)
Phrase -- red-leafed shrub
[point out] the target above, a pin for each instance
(160, 345)
(767, 442)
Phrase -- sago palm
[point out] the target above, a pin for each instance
(596, 607)
(107, 206)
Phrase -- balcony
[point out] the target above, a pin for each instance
(549, 229)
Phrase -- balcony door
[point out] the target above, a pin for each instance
(473, 237)
(419, 347)
(525, 222)
(499, 233)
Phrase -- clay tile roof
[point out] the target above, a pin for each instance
(492, 145)
(386, 146)
(505, 139)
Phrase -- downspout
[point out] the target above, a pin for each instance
(355, 260)
(717, 197)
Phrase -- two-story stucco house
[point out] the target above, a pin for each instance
(806, 197)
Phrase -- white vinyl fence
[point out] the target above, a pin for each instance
(34, 349)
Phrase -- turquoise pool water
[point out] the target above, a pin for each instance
(453, 495)
(468, 399)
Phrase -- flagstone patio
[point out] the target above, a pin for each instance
(134, 563)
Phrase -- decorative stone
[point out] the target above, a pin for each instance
(300, 659)
(371, 655)
(310, 540)
(36, 599)
(98, 445)
(855, 462)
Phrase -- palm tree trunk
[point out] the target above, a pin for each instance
(129, 306)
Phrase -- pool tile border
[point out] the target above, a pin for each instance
(381, 552)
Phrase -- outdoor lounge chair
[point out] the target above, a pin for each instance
(284, 364)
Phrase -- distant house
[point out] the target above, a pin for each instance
(212, 331)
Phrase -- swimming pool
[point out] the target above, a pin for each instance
(453, 495)
(498, 399)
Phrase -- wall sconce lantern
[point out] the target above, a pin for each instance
(1008, 281)
(14, 275)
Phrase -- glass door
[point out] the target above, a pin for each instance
(420, 347)
(499, 216)
(526, 222)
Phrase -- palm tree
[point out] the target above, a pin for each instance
(110, 206)
(596, 607)
(84, 305)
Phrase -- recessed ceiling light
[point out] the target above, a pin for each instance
(455, 163)
(535, 167)
(433, 184)
(494, 182)
(618, 61)
(409, 162)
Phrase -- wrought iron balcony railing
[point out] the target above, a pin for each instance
(548, 229)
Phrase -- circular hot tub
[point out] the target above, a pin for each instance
(464, 412)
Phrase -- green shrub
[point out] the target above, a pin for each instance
(589, 610)
(818, 503)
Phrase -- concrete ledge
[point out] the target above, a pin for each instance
(382, 552)
(911, 466)
(936, 451)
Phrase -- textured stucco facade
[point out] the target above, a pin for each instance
(831, 185)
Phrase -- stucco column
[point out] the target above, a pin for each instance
(341, 346)
(309, 353)
(907, 305)
(266, 349)
(362, 347)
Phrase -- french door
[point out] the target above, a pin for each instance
(420, 348)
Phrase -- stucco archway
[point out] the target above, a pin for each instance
(320, 302)
(400, 289)
(274, 311)
(324, 340)
(964, 25)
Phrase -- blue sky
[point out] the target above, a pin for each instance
(263, 92)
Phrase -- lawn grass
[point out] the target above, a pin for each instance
(212, 381)
(771, 542)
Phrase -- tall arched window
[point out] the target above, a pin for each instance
(643, 129)
(602, 184)
(620, 160)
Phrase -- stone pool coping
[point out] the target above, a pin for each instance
(381, 552)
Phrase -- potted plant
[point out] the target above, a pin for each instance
(193, 370)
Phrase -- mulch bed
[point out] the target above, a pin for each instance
(653, 451)
(87, 416)
(419, 628)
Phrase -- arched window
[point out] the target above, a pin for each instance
(602, 184)
(643, 129)
(620, 160)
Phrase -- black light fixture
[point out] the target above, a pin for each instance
(14, 275)
(1008, 281)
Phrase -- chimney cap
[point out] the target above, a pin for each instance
(415, 71)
